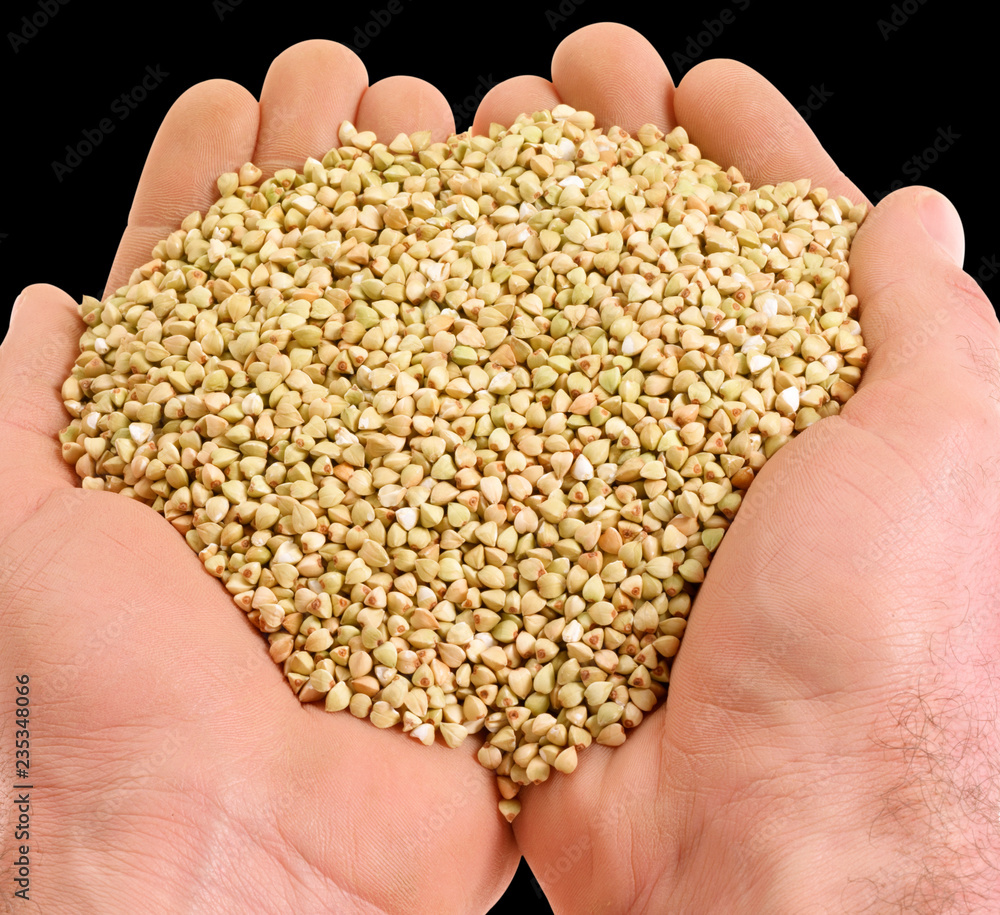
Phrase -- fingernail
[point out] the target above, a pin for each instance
(943, 224)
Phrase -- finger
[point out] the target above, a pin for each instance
(35, 359)
(927, 325)
(736, 117)
(404, 104)
(927, 405)
(611, 791)
(309, 89)
(517, 95)
(608, 69)
(209, 130)
(217, 125)
(613, 72)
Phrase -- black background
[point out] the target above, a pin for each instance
(899, 78)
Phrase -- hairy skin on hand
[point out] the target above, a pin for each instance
(945, 807)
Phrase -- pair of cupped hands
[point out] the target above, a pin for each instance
(829, 744)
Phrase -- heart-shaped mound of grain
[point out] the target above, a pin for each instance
(460, 425)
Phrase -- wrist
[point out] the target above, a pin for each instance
(911, 824)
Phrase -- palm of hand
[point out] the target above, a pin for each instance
(842, 630)
(178, 726)
(821, 658)
(176, 752)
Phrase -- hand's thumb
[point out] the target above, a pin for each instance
(942, 223)
(915, 301)
(37, 355)
(35, 359)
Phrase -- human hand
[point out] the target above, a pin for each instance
(174, 768)
(829, 741)
(681, 740)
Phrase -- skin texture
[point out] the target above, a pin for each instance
(830, 739)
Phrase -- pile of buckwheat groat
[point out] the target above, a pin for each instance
(459, 425)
